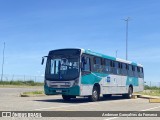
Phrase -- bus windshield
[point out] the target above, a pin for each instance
(62, 67)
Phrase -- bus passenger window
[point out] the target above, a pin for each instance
(133, 68)
(124, 69)
(86, 64)
(107, 65)
(115, 69)
(130, 70)
(136, 71)
(98, 67)
(98, 61)
(141, 75)
(142, 70)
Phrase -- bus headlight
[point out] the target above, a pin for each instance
(67, 83)
(75, 82)
(47, 83)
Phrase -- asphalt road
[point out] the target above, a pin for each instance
(10, 101)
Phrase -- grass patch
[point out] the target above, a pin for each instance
(22, 83)
(34, 93)
(150, 92)
(146, 87)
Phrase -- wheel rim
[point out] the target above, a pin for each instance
(95, 95)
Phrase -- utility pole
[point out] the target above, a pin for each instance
(116, 53)
(127, 20)
(3, 62)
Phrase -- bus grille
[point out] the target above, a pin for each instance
(60, 86)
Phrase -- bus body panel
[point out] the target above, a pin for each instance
(86, 89)
(110, 84)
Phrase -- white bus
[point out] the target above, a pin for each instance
(80, 72)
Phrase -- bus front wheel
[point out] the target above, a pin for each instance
(95, 94)
(66, 97)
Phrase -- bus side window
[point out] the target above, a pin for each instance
(115, 68)
(119, 68)
(133, 68)
(130, 70)
(141, 72)
(136, 71)
(103, 65)
(112, 65)
(124, 69)
(86, 64)
(98, 61)
(98, 64)
(107, 66)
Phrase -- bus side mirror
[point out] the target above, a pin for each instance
(42, 61)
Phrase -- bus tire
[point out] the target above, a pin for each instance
(95, 94)
(129, 94)
(66, 97)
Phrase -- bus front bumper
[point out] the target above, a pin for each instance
(75, 90)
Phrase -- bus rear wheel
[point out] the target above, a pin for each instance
(66, 97)
(95, 94)
(129, 94)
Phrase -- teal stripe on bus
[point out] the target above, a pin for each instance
(93, 78)
(133, 63)
(132, 81)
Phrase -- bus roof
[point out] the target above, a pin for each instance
(109, 57)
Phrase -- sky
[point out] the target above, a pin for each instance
(31, 28)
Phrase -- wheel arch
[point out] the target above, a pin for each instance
(131, 87)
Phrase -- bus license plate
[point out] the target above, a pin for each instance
(59, 91)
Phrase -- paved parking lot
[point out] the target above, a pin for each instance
(10, 101)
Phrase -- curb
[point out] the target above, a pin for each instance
(148, 97)
(154, 100)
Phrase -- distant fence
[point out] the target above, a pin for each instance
(152, 83)
(7, 77)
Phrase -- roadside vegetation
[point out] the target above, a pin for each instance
(152, 91)
(33, 93)
(146, 87)
(21, 83)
